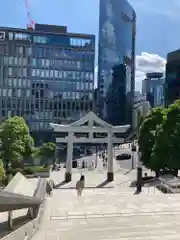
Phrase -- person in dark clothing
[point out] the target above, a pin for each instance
(80, 185)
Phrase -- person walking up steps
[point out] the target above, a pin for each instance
(80, 185)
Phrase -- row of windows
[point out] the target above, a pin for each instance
(56, 63)
(22, 72)
(44, 84)
(15, 50)
(16, 82)
(39, 94)
(50, 39)
(63, 74)
(43, 109)
(62, 86)
(57, 53)
(17, 72)
(15, 92)
(15, 61)
(62, 63)
(61, 96)
(65, 64)
(47, 51)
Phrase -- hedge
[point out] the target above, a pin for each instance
(29, 170)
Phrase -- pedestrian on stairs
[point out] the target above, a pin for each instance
(80, 185)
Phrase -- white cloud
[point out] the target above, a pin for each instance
(145, 63)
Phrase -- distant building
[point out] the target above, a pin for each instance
(141, 108)
(172, 83)
(153, 88)
(46, 75)
(116, 61)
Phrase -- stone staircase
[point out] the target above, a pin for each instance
(104, 214)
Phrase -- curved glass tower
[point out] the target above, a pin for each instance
(116, 61)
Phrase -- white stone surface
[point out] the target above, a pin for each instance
(109, 214)
(20, 185)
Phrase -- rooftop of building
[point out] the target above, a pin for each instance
(155, 75)
(173, 56)
(48, 29)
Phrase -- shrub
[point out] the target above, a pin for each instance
(13, 171)
(2, 172)
(41, 168)
(29, 170)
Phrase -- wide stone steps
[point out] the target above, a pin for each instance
(115, 227)
(107, 214)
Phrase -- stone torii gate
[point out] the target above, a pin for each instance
(90, 124)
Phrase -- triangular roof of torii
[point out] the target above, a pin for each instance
(91, 117)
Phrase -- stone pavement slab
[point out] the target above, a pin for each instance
(109, 214)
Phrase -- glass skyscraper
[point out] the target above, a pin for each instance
(172, 82)
(116, 61)
(46, 75)
(153, 88)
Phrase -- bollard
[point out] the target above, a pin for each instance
(10, 221)
(139, 179)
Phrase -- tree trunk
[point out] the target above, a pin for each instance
(6, 164)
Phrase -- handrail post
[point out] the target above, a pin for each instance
(10, 220)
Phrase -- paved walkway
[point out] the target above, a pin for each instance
(110, 211)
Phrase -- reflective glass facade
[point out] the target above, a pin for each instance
(46, 78)
(153, 88)
(117, 31)
(172, 82)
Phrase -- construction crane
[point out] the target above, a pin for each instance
(31, 23)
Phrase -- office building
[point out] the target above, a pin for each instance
(46, 75)
(116, 61)
(153, 88)
(141, 108)
(172, 83)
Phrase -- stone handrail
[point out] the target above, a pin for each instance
(11, 201)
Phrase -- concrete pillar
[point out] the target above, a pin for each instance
(90, 125)
(69, 157)
(110, 173)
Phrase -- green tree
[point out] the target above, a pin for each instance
(16, 142)
(147, 136)
(47, 150)
(167, 144)
(2, 172)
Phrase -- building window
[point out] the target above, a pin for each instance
(20, 50)
(24, 72)
(10, 71)
(9, 92)
(11, 36)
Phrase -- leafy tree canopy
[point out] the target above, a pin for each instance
(167, 144)
(147, 134)
(47, 150)
(16, 142)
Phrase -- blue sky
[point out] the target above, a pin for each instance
(158, 23)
